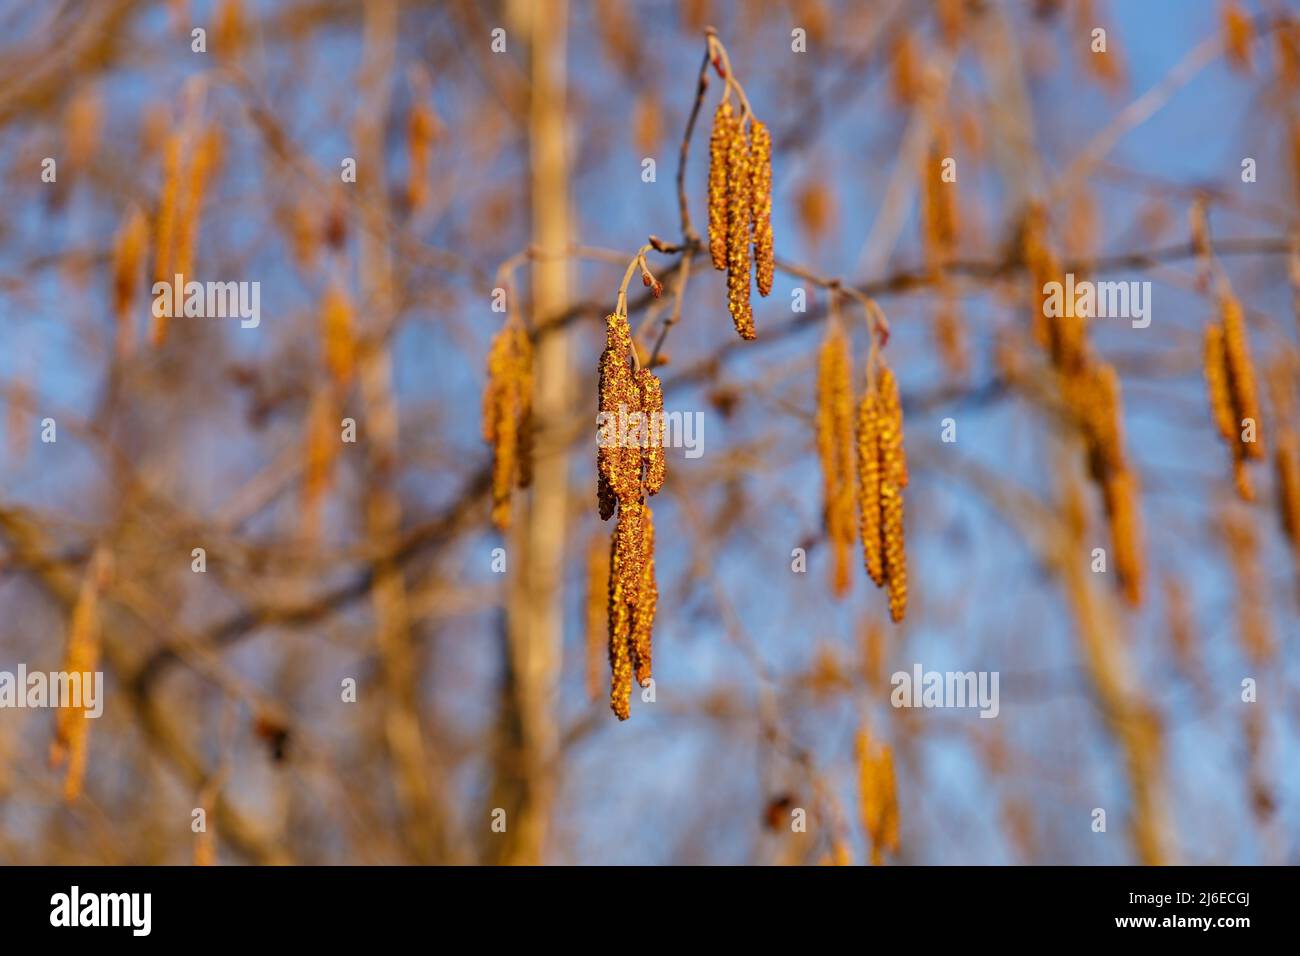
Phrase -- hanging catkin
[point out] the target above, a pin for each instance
(894, 477)
(834, 423)
(507, 416)
(868, 444)
(739, 194)
(719, 142)
(878, 796)
(631, 563)
(760, 153)
(652, 410)
(618, 462)
(81, 658)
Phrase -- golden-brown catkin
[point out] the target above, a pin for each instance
(938, 204)
(647, 601)
(835, 428)
(877, 796)
(739, 189)
(202, 160)
(1236, 30)
(626, 589)
(894, 478)
(421, 127)
(1120, 494)
(1241, 375)
(128, 256)
(81, 657)
(1216, 381)
(507, 416)
(1253, 627)
(760, 157)
(336, 322)
(652, 412)
(618, 462)
(320, 448)
(719, 142)
(869, 486)
(165, 229)
(598, 618)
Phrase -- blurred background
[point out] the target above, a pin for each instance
(503, 145)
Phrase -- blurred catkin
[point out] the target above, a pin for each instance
(128, 257)
(598, 611)
(507, 416)
(878, 796)
(835, 428)
(336, 322)
(81, 657)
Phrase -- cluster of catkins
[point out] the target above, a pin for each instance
(507, 416)
(740, 209)
(1230, 377)
(874, 432)
(629, 467)
(1091, 389)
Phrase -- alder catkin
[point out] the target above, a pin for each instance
(336, 320)
(893, 466)
(507, 416)
(81, 657)
(878, 796)
(627, 569)
(719, 142)
(835, 436)
(869, 486)
(1241, 376)
(760, 153)
(598, 607)
(739, 191)
(652, 412)
(128, 256)
(647, 600)
(618, 463)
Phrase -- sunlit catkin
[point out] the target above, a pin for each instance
(81, 657)
(165, 228)
(894, 477)
(598, 622)
(719, 142)
(877, 796)
(618, 462)
(647, 600)
(128, 257)
(652, 412)
(739, 192)
(869, 486)
(336, 323)
(507, 416)
(760, 157)
(835, 428)
(1241, 374)
(627, 621)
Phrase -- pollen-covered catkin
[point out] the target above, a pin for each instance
(652, 412)
(647, 600)
(869, 486)
(618, 463)
(507, 416)
(893, 466)
(626, 589)
(719, 142)
(834, 422)
(760, 158)
(738, 231)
